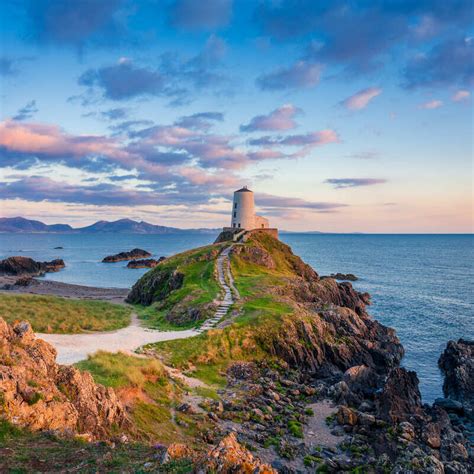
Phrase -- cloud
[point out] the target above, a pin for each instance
(26, 112)
(38, 188)
(200, 121)
(115, 114)
(340, 183)
(279, 119)
(75, 23)
(174, 77)
(7, 67)
(461, 95)
(448, 63)
(301, 75)
(25, 142)
(269, 201)
(322, 137)
(124, 81)
(359, 36)
(365, 155)
(360, 100)
(202, 15)
(432, 104)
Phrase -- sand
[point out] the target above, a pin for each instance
(75, 347)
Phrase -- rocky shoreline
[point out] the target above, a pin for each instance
(320, 388)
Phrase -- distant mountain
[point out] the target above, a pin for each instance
(20, 224)
(127, 226)
(122, 226)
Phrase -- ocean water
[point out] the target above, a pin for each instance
(421, 285)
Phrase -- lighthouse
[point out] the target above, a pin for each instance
(243, 211)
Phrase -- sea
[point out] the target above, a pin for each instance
(421, 285)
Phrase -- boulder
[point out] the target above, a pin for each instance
(347, 416)
(457, 364)
(27, 266)
(400, 398)
(229, 457)
(131, 255)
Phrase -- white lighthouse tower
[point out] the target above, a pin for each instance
(243, 212)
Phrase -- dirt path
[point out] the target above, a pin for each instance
(223, 271)
(75, 347)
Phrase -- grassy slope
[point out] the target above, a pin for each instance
(199, 288)
(151, 397)
(210, 353)
(51, 314)
(25, 452)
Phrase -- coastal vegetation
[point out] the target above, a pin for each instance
(180, 292)
(150, 395)
(297, 369)
(261, 268)
(59, 454)
(52, 314)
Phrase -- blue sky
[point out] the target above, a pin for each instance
(341, 116)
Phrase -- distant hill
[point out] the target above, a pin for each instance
(121, 226)
(20, 224)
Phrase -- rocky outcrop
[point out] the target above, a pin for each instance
(145, 263)
(457, 364)
(28, 266)
(155, 286)
(123, 256)
(255, 255)
(39, 394)
(229, 457)
(332, 341)
(400, 397)
(343, 276)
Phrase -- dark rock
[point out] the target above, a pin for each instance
(400, 398)
(28, 266)
(344, 276)
(24, 281)
(155, 286)
(457, 364)
(145, 263)
(132, 255)
(451, 406)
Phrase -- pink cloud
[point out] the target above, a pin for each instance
(312, 139)
(432, 104)
(279, 119)
(51, 140)
(461, 95)
(361, 99)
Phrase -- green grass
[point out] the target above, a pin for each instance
(155, 318)
(51, 314)
(261, 314)
(144, 386)
(120, 370)
(198, 290)
(24, 452)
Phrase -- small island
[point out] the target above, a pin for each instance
(124, 256)
(20, 266)
(145, 263)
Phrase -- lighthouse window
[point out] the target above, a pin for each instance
(235, 205)
(239, 224)
(235, 214)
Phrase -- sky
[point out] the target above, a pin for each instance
(341, 116)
